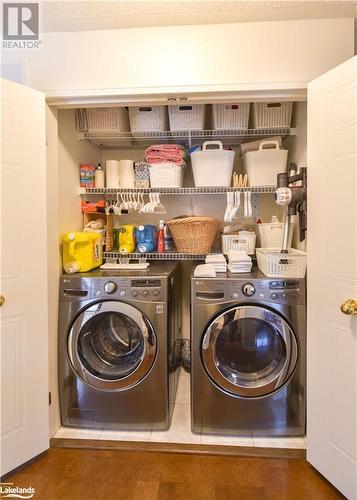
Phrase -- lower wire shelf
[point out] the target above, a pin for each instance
(154, 256)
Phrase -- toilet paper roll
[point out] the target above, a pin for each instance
(127, 174)
(112, 171)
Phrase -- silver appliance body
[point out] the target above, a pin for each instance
(119, 348)
(248, 355)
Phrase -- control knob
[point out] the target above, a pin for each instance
(145, 293)
(134, 293)
(248, 289)
(274, 296)
(156, 293)
(110, 287)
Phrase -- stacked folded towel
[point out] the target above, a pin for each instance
(164, 153)
(218, 261)
(204, 271)
(239, 262)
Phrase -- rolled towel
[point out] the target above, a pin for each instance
(204, 271)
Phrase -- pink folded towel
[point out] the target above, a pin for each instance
(160, 153)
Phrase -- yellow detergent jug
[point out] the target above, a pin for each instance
(127, 242)
(81, 251)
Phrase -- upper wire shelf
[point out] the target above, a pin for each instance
(115, 139)
(178, 191)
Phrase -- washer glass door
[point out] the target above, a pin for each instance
(249, 351)
(111, 345)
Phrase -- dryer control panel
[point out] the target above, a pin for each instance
(286, 292)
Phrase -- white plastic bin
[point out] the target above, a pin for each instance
(271, 234)
(187, 117)
(212, 167)
(244, 241)
(148, 118)
(275, 264)
(102, 120)
(164, 175)
(272, 114)
(231, 116)
(263, 165)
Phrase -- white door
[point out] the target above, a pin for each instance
(332, 276)
(23, 274)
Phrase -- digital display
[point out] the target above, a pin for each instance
(145, 283)
(273, 285)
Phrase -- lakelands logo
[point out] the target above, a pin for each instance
(21, 26)
(8, 490)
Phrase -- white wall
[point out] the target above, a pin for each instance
(70, 153)
(64, 153)
(189, 58)
(53, 262)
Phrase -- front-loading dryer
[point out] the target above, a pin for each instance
(248, 355)
(119, 348)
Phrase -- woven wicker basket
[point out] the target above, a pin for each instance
(194, 235)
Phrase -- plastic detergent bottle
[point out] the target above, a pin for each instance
(81, 251)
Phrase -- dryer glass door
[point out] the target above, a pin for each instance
(249, 351)
(111, 345)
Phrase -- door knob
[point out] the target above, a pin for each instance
(2, 300)
(349, 307)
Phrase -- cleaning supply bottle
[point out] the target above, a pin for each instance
(82, 251)
(99, 176)
(127, 242)
(161, 238)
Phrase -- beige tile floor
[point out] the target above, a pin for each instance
(180, 431)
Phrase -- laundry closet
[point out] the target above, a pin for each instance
(316, 78)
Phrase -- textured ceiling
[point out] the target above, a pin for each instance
(91, 15)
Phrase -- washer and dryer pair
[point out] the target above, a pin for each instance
(119, 348)
(248, 355)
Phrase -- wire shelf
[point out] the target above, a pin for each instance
(115, 140)
(178, 191)
(153, 256)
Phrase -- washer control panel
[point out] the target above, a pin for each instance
(148, 290)
(248, 289)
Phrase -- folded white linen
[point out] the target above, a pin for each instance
(234, 256)
(239, 270)
(204, 271)
(215, 258)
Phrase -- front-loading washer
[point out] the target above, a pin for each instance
(248, 355)
(119, 348)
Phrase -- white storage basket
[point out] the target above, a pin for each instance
(212, 167)
(163, 175)
(148, 118)
(275, 264)
(272, 114)
(187, 117)
(231, 116)
(242, 242)
(271, 234)
(263, 165)
(102, 120)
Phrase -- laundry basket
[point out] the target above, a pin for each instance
(275, 264)
(194, 235)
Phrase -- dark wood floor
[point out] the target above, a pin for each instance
(72, 474)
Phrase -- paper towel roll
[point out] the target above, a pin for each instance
(127, 174)
(112, 171)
